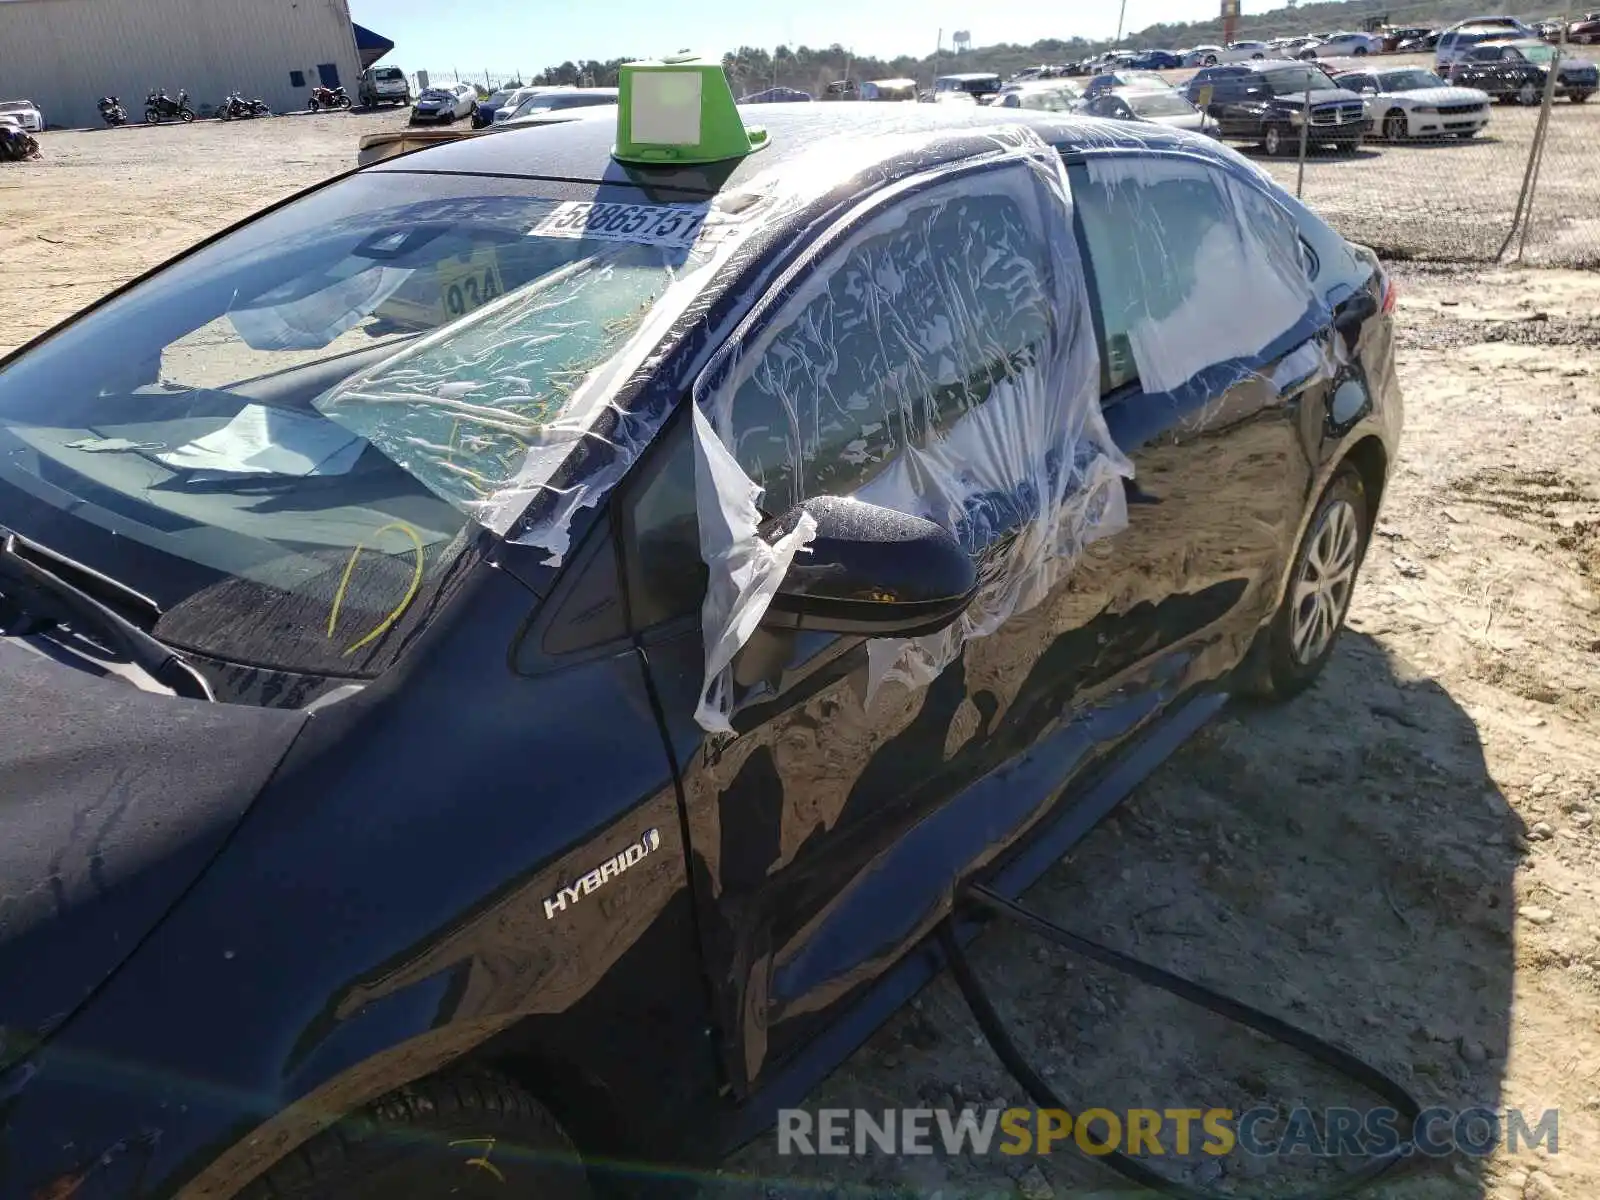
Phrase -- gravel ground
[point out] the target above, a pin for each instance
(1404, 859)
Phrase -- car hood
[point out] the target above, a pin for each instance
(1436, 95)
(1582, 64)
(1194, 120)
(114, 802)
(1318, 99)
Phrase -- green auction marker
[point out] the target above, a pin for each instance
(680, 111)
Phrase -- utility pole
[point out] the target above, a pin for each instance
(1121, 16)
(937, 50)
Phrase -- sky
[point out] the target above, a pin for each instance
(528, 35)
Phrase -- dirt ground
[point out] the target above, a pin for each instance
(1404, 859)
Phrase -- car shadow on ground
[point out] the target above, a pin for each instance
(1343, 861)
(1316, 154)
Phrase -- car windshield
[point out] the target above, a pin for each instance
(389, 74)
(560, 100)
(1543, 55)
(1296, 81)
(15, 105)
(1159, 104)
(1409, 81)
(288, 438)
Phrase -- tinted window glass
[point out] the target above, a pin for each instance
(888, 344)
(1149, 248)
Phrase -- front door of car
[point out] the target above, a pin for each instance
(912, 326)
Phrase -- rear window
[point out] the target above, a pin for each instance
(389, 74)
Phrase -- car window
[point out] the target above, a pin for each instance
(311, 418)
(1177, 242)
(890, 340)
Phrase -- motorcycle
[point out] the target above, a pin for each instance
(326, 97)
(112, 112)
(158, 106)
(16, 143)
(237, 108)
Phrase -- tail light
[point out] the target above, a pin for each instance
(1387, 292)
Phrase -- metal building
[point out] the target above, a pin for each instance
(65, 54)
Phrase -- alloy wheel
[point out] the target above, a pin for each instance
(1327, 577)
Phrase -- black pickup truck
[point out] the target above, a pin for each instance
(1269, 102)
(1515, 71)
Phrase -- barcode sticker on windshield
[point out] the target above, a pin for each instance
(643, 224)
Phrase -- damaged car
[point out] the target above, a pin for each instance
(511, 652)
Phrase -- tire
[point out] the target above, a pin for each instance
(314, 106)
(1258, 57)
(1359, 52)
(1275, 140)
(468, 1137)
(1339, 529)
(186, 116)
(1528, 95)
(1580, 97)
(1396, 128)
(344, 103)
(1210, 60)
(152, 117)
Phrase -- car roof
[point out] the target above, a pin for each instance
(973, 75)
(580, 150)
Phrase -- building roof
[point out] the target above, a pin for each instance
(370, 46)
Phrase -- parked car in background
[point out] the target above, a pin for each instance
(1409, 102)
(1236, 52)
(383, 85)
(778, 95)
(445, 102)
(1420, 44)
(975, 86)
(1043, 95)
(483, 115)
(1393, 39)
(1265, 103)
(1585, 31)
(550, 102)
(1295, 48)
(1457, 40)
(1157, 60)
(1203, 56)
(1344, 45)
(1517, 71)
(26, 113)
(1163, 107)
(1143, 80)
(889, 89)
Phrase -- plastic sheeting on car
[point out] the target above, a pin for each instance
(938, 359)
(1194, 266)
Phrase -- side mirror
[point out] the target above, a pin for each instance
(870, 572)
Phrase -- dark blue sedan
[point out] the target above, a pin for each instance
(1157, 60)
(511, 653)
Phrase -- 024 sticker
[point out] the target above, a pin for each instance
(674, 225)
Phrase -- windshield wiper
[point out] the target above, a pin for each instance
(52, 598)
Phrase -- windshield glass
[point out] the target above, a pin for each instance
(1537, 54)
(1296, 81)
(285, 438)
(15, 105)
(1409, 81)
(388, 74)
(1159, 104)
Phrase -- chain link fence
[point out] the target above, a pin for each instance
(1526, 188)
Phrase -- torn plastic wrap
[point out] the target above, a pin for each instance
(1213, 242)
(939, 360)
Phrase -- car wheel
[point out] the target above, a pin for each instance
(1258, 56)
(1580, 97)
(1210, 60)
(469, 1137)
(1275, 140)
(1527, 94)
(1359, 52)
(1395, 126)
(1292, 651)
